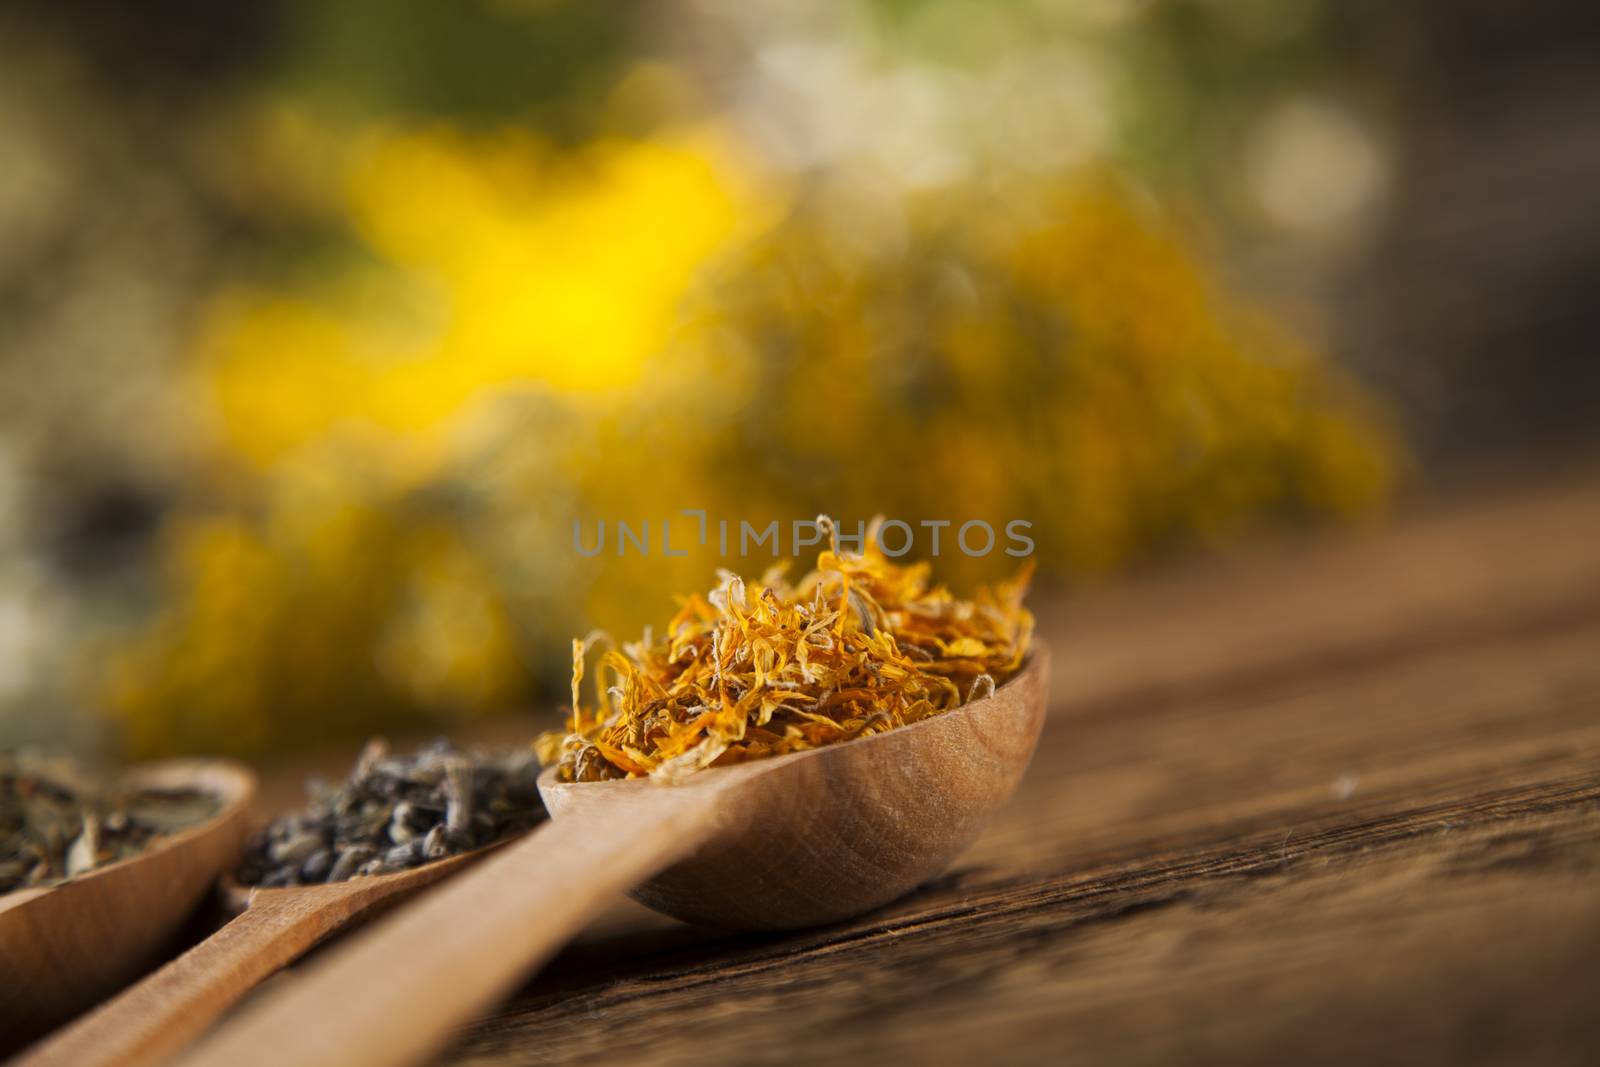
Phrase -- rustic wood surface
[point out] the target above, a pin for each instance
(1338, 800)
(1322, 800)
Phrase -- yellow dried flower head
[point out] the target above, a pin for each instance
(858, 646)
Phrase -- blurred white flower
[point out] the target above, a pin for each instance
(1046, 109)
(1314, 167)
(31, 625)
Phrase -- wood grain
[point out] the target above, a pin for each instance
(1338, 802)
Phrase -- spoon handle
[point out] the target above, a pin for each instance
(393, 995)
(152, 1020)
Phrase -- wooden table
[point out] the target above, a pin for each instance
(1339, 800)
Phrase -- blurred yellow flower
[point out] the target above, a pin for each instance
(507, 263)
(1052, 351)
(333, 610)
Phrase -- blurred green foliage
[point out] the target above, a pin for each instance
(532, 61)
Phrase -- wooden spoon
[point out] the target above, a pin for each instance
(152, 1021)
(63, 947)
(792, 841)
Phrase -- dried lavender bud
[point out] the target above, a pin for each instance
(81, 856)
(371, 756)
(458, 798)
(316, 868)
(296, 849)
(394, 813)
(435, 846)
(402, 856)
(350, 861)
(400, 828)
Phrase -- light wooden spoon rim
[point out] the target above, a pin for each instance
(231, 782)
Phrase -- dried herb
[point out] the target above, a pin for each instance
(394, 813)
(57, 822)
(858, 646)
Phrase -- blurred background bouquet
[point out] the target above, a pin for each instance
(326, 323)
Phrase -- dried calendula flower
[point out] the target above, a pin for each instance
(858, 646)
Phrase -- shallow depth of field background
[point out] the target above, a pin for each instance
(322, 323)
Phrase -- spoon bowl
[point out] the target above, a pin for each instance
(65, 946)
(817, 836)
